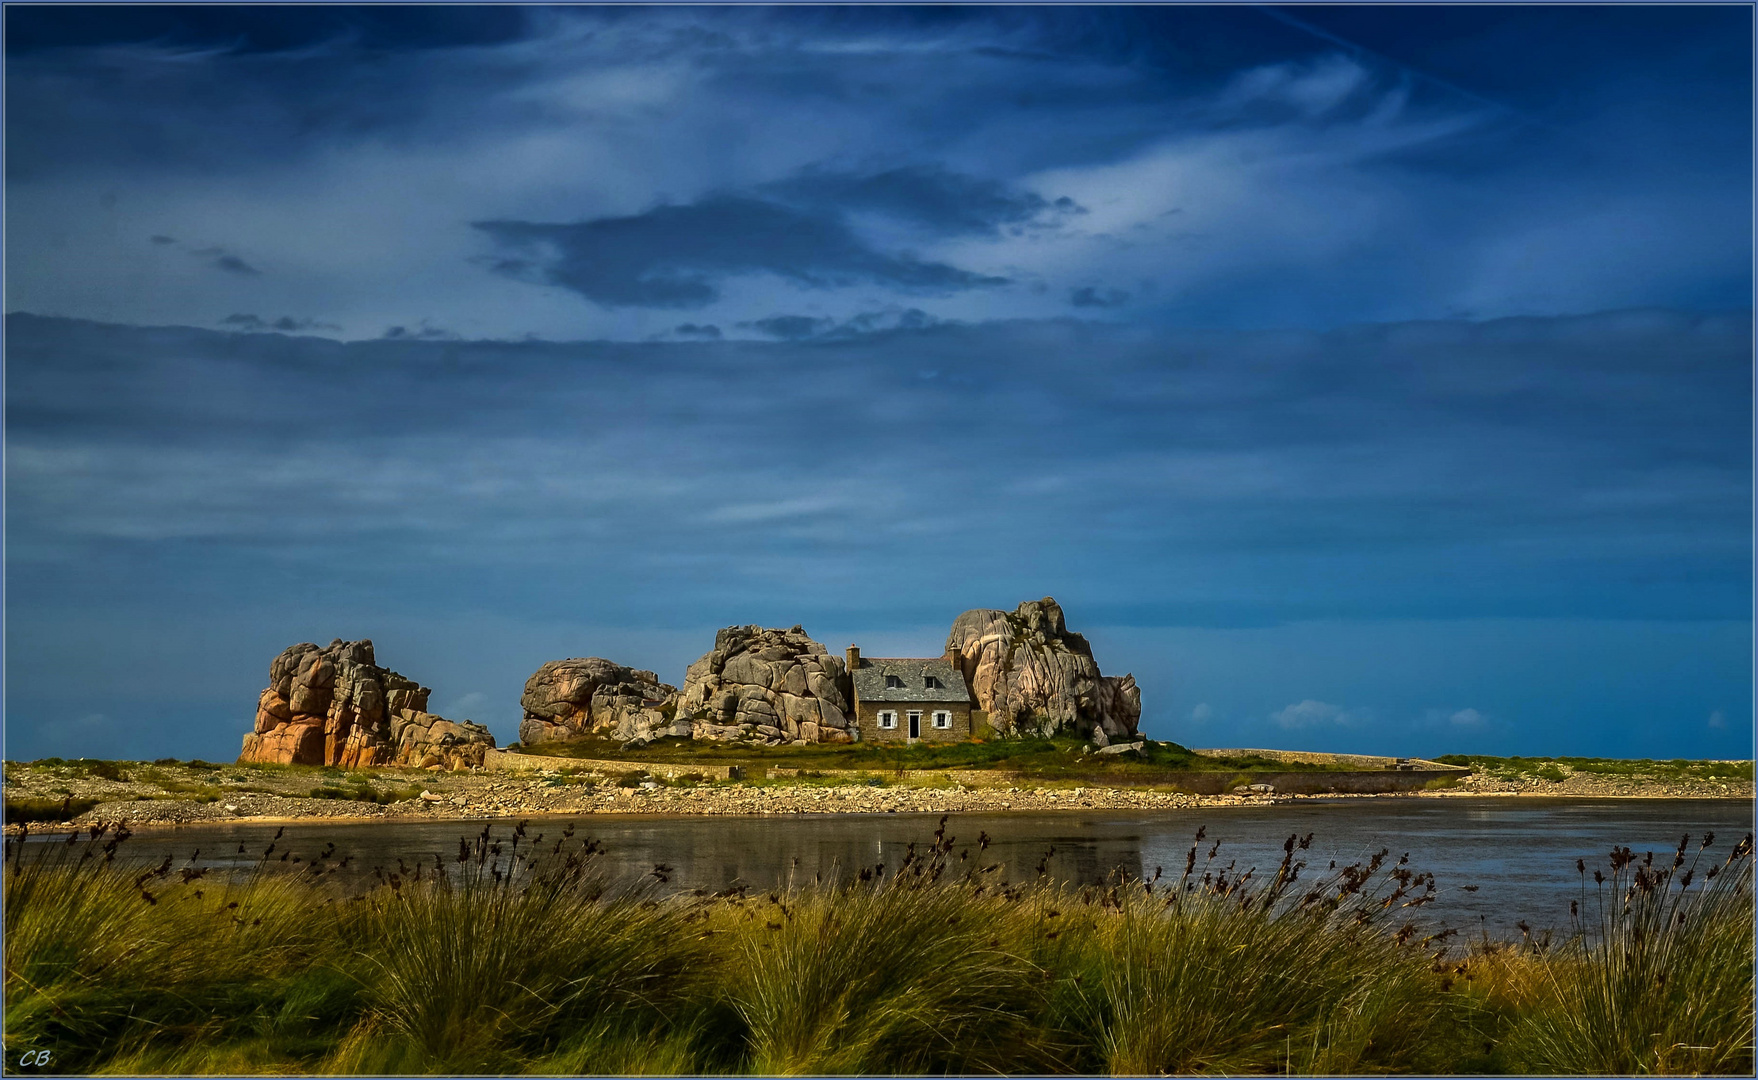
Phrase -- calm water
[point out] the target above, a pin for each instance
(1519, 853)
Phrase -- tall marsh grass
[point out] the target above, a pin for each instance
(516, 954)
(1660, 977)
(1225, 976)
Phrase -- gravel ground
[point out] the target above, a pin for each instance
(181, 794)
(1599, 785)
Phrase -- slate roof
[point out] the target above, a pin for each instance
(869, 680)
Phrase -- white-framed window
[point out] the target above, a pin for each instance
(942, 720)
(888, 720)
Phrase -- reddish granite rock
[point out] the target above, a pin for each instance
(272, 710)
(566, 699)
(335, 706)
(286, 744)
(1034, 676)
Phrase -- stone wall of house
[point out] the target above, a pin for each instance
(867, 717)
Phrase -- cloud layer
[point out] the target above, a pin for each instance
(588, 173)
(609, 326)
(1543, 466)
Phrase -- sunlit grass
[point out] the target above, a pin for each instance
(1033, 760)
(515, 954)
(1557, 769)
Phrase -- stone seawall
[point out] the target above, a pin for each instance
(1314, 757)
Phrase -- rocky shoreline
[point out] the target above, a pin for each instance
(1598, 786)
(183, 795)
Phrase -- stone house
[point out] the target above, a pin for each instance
(909, 699)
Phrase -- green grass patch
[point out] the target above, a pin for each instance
(366, 793)
(1553, 768)
(1044, 760)
(325, 773)
(82, 768)
(201, 793)
(26, 810)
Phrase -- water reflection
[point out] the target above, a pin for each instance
(1497, 861)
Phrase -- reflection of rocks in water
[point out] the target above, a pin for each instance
(702, 853)
(1522, 858)
(1097, 862)
(1072, 860)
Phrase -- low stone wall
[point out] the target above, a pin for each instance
(1310, 757)
(967, 777)
(1317, 783)
(509, 762)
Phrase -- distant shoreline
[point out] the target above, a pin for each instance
(55, 795)
(478, 796)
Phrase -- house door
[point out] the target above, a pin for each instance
(915, 725)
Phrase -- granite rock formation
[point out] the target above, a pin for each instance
(569, 699)
(1034, 676)
(769, 686)
(335, 706)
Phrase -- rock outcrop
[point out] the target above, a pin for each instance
(1033, 676)
(770, 686)
(335, 706)
(569, 699)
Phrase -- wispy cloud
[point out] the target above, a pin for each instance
(285, 324)
(465, 706)
(1313, 87)
(1554, 451)
(778, 510)
(232, 264)
(824, 327)
(676, 256)
(1310, 714)
(744, 163)
(1087, 296)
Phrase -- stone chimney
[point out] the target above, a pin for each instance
(854, 658)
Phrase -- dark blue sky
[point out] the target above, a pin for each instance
(1360, 377)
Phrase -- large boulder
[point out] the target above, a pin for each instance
(770, 686)
(568, 699)
(1034, 676)
(335, 706)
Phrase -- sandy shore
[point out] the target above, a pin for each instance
(175, 795)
